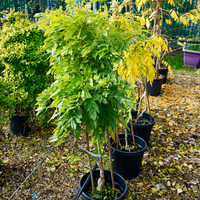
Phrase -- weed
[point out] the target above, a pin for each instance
(26, 186)
(107, 193)
(33, 142)
(8, 188)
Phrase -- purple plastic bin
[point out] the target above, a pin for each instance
(191, 58)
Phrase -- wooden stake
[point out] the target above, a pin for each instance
(147, 97)
(90, 165)
(26, 11)
(78, 5)
(149, 108)
(111, 166)
(132, 131)
(117, 136)
(125, 7)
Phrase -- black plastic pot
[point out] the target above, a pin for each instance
(164, 71)
(155, 88)
(120, 183)
(128, 164)
(19, 125)
(142, 130)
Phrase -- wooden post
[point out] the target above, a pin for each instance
(132, 131)
(78, 4)
(111, 166)
(90, 165)
(26, 11)
(117, 136)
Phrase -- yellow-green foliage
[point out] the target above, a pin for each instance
(147, 14)
(152, 18)
(138, 57)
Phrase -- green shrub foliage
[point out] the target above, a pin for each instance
(24, 61)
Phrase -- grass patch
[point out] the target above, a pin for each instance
(175, 59)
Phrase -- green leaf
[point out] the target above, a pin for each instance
(77, 134)
(98, 196)
(112, 121)
(73, 123)
(69, 34)
(85, 94)
(86, 51)
(105, 33)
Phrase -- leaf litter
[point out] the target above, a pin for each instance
(170, 167)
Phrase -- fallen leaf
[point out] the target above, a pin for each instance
(59, 163)
(5, 160)
(174, 183)
(53, 169)
(48, 169)
(160, 186)
(140, 184)
(194, 182)
(68, 185)
(39, 184)
(195, 160)
(169, 183)
(179, 190)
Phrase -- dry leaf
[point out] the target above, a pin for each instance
(140, 184)
(68, 185)
(48, 169)
(59, 163)
(5, 160)
(195, 160)
(39, 184)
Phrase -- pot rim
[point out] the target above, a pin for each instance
(125, 189)
(136, 153)
(150, 124)
(190, 51)
(158, 79)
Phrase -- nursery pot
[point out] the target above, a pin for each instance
(142, 130)
(191, 58)
(19, 125)
(164, 71)
(155, 88)
(120, 183)
(128, 164)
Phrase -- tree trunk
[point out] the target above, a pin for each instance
(157, 30)
(101, 180)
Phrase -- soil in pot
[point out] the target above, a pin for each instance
(120, 185)
(164, 71)
(143, 129)
(155, 88)
(128, 164)
(131, 146)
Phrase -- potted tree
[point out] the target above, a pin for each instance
(87, 93)
(138, 66)
(155, 13)
(25, 65)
